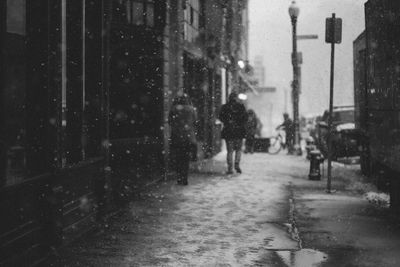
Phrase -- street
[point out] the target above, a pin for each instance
(103, 104)
(237, 220)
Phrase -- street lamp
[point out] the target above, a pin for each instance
(294, 10)
(294, 13)
(241, 64)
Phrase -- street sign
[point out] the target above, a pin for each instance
(299, 58)
(333, 30)
(307, 37)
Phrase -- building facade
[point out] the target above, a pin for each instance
(86, 87)
(53, 122)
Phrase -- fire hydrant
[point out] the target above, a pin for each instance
(316, 159)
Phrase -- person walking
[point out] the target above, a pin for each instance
(234, 117)
(182, 119)
(252, 125)
(288, 126)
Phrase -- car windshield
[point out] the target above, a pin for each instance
(343, 116)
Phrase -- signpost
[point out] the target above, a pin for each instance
(333, 35)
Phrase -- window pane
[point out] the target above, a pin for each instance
(119, 11)
(137, 13)
(93, 74)
(191, 15)
(74, 81)
(128, 12)
(150, 15)
(196, 20)
(186, 14)
(14, 93)
(16, 17)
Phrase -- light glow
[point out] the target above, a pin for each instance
(241, 64)
(242, 96)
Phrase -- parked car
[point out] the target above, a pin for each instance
(345, 137)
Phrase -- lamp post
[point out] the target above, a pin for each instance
(294, 13)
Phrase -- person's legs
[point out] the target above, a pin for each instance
(251, 144)
(185, 164)
(238, 153)
(247, 144)
(182, 164)
(229, 154)
(290, 141)
(178, 163)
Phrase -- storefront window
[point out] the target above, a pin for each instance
(13, 143)
(138, 11)
(81, 88)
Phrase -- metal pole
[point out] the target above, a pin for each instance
(295, 88)
(286, 96)
(236, 39)
(328, 187)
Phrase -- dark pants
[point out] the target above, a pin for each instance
(249, 143)
(3, 163)
(182, 160)
(290, 142)
(234, 145)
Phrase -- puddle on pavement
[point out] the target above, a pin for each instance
(280, 237)
(302, 258)
(292, 257)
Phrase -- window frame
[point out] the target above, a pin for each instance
(78, 113)
(36, 146)
(191, 19)
(130, 19)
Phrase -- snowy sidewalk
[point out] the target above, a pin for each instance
(218, 220)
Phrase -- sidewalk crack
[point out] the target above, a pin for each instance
(292, 226)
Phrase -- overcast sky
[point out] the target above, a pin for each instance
(270, 36)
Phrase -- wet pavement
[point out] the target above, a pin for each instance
(270, 215)
(347, 227)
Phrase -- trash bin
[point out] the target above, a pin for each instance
(261, 144)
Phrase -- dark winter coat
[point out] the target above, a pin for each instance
(234, 117)
(182, 119)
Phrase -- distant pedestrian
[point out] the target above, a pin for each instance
(259, 127)
(182, 118)
(288, 126)
(252, 125)
(234, 117)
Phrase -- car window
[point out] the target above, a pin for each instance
(344, 116)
